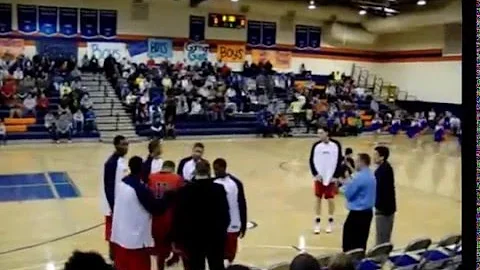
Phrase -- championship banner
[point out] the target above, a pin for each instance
(27, 19)
(11, 47)
(231, 53)
(68, 21)
(278, 59)
(102, 49)
(160, 48)
(107, 23)
(196, 53)
(88, 22)
(5, 19)
(47, 20)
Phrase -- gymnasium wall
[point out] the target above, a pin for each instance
(399, 58)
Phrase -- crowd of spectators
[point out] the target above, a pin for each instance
(28, 85)
(167, 91)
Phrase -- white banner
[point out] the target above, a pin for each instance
(102, 49)
(196, 53)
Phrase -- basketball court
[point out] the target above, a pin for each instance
(49, 196)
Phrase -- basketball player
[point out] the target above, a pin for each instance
(237, 208)
(325, 161)
(114, 169)
(160, 182)
(186, 166)
(153, 163)
(132, 221)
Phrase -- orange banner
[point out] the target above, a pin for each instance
(231, 53)
(11, 47)
(278, 59)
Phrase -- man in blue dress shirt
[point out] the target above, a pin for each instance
(360, 192)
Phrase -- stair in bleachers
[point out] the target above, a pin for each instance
(112, 119)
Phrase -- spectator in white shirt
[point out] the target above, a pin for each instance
(3, 132)
(86, 102)
(78, 120)
(18, 74)
(196, 107)
(29, 104)
(431, 118)
(167, 83)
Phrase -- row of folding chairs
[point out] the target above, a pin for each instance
(419, 254)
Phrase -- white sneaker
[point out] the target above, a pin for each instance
(329, 228)
(316, 228)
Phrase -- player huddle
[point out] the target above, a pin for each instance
(153, 209)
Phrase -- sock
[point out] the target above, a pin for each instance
(330, 220)
(317, 220)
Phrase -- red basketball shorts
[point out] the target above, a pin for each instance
(108, 228)
(322, 191)
(231, 245)
(132, 259)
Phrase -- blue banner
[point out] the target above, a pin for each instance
(254, 33)
(27, 19)
(137, 47)
(47, 20)
(68, 21)
(88, 22)
(5, 19)
(56, 48)
(269, 34)
(197, 28)
(160, 48)
(301, 36)
(108, 23)
(314, 37)
(196, 53)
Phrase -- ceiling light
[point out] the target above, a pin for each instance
(312, 5)
(234, 0)
(421, 2)
(362, 12)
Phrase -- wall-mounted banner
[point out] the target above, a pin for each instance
(57, 48)
(254, 33)
(108, 23)
(68, 21)
(47, 20)
(197, 28)
(261, 33)
(160, 48)
(307, 37)
(269, 34)
(196, 53)
(278, 59)
(5, 19)
(88, 22)
(11, 47)
(102, 49)
(137, 47)
(27, 19)
(231, 53)
(283, 59)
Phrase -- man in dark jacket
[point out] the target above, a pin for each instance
(201, 220)
(385, 204)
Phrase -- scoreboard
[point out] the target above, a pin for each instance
(226, 20)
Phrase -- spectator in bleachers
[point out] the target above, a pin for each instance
(296, 109)
(16, 107)
(89, 121)
(86, 103)
(29, 106)
(281, 125)
(78, 120)
(64, 126)
(50, 124)
(18, 74)
(3, 132)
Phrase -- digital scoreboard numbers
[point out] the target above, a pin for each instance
(226, 21)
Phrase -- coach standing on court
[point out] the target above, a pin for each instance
(360, 194)
(385, 205)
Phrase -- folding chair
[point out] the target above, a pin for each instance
(356, 255)
(409, 258)
(444, 253)
(376, 257)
